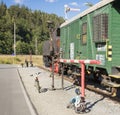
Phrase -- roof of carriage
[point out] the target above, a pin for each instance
(91, 9)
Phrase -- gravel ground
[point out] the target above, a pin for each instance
(54, 102)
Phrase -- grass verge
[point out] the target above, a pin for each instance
(19, 59)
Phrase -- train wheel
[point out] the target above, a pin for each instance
(97, 77)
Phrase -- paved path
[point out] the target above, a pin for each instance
(54, 102)
(12, 100)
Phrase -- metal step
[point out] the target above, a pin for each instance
(118, 66)
(110, 84)
(76, 74)
(117, 76)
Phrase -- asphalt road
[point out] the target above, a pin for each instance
(12, 98)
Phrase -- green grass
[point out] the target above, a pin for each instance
(19, 59)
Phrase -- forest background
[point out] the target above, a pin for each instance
(31, 29)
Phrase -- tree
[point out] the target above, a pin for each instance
(30, 26)
(3, 8)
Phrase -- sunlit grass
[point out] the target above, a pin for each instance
(19, 59)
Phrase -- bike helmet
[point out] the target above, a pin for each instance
(77, 91)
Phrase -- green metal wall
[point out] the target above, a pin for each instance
(115, 33)
(71, 33)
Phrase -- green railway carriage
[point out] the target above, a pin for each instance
(95, 34)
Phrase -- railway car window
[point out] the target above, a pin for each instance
(100, 27)
(84, 33)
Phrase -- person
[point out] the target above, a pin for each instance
(26, 62)
(75, 99)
